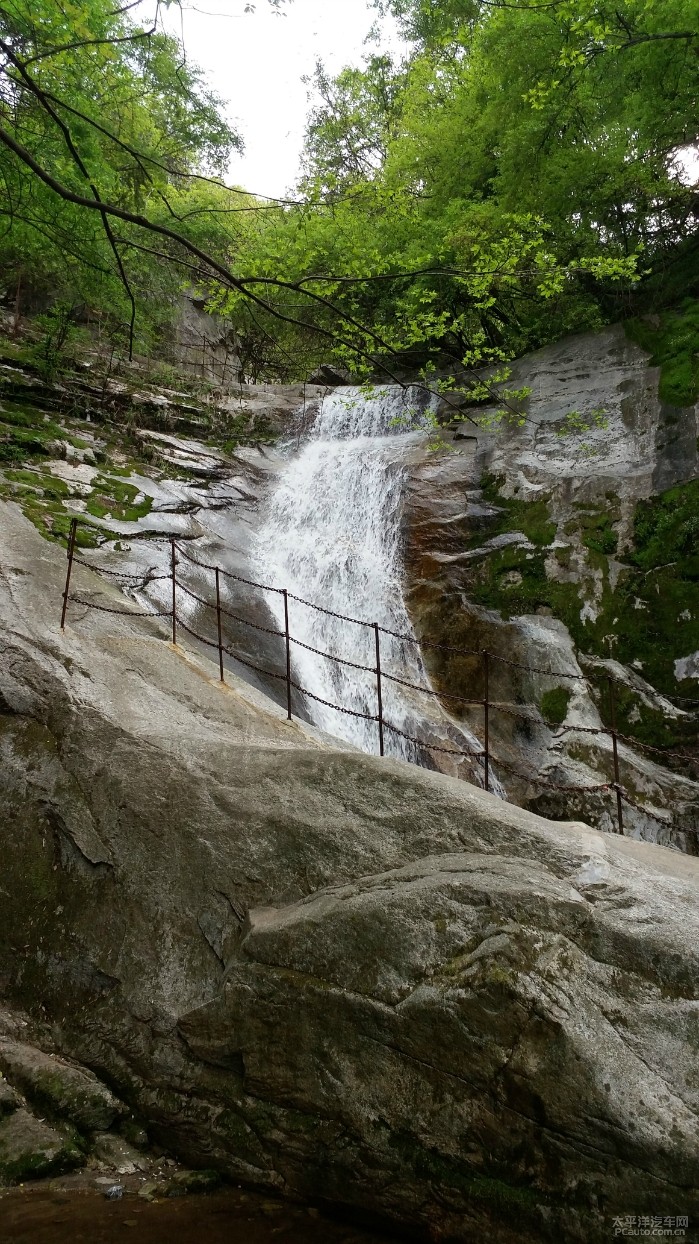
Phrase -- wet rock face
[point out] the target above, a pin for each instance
(564, 545)
(64, 1090)
(340, 977)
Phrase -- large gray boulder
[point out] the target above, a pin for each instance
(340, 977)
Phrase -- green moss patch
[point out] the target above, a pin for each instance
(186, 1183)
(647, 622)
(597, 533)
(532, 518)
(653, 616)
(18, 444)
(666, 529)
(672, 340)
(554, 705)
(31, 1149)
(41, 498)
(439, 1170)
(117, 499)
(514, 581)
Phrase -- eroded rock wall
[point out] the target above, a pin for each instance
(565, 540)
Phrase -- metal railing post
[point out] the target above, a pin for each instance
(378, 686)
(218, 623)
(615, 750)
(486, 717)
(288, 653)
(70, 554)
(173, 562)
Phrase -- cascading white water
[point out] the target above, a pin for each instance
(331, 537)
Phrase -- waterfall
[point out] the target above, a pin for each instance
(331, 536)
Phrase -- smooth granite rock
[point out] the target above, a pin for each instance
(343, 978)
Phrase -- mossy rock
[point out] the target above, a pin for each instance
(59, 1088)
(185, 1183)
(672, 340)
(530, 517)
(31, 1149)
(554, 705)
(648, 621)
(117, 499)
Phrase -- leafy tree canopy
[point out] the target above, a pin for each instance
(112, 111)
(514, 177)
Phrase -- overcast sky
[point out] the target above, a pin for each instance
(256, 61)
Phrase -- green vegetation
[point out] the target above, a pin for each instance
(596, 531)
(26, 436)
(113, 498)
(554, 705)
(514, 581)
(646, 622)
(499, 187)
(39, 446)
(672, 340)
(440, 1169)
(530, 517)
(516, 176)
(96, 108)
(666, 530)
(37, 1164)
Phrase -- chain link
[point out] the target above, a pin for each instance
(348, 712)
(459, 699)
(125, 613)
(651, 816)
(251, 666)
(330, 613)
(432, 747)
(660, 751)
(137, 577)
(228, 574)
(366, 669)
(411, 639)
(195, 635)
(209, 605)
(534, 780)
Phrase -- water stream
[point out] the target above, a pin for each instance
(331, 536)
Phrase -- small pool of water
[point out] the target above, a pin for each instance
(48, 1216)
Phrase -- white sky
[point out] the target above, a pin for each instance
(256, 61)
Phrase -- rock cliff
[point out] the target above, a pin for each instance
(566, 539)
(344, 978)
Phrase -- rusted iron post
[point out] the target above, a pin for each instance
(615, 750)
(378, 685)
(71, 551)
(486, 717)
(288, 653)
(218, 623)
(173, 561)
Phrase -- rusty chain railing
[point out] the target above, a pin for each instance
(525, 712)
